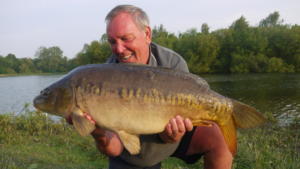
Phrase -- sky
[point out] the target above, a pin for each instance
(26, 25)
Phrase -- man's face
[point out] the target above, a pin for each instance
(128, 42)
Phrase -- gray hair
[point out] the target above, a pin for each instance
(139, 16)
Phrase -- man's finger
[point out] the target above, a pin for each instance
(174, 127)
(180, 124)
(188, 124)
(169, 130)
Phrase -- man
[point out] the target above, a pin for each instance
(129, 35)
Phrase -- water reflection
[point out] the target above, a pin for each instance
(275, 93)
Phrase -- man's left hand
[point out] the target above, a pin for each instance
(175, 129)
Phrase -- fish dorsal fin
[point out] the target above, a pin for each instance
(230, 136)
(131, 142)
(81, 123)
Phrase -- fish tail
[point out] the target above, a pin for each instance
(246, 116)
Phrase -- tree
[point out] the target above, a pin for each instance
(204, 28)
(199, 50)
(95, 52)
(295, 58)
(223, 59)
(245, 47)
(235, 43)
(27, 66)
(13, 62)
(245, 63)
(161, 36)
(9, 64)
(278, 65)
(50, 59)
(283, 42)
(271, 21)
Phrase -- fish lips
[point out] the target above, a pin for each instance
(40, 103)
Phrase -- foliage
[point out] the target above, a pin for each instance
(271, 21)
(161, 36)
(199, 50)
(50, 59)
(271, 46)
(34, 140)
(205, 28)
(9, 64)
(96, 52)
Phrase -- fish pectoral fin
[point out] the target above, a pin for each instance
(205, 123)
(130, 141)
(81, 124)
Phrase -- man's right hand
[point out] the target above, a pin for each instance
(107, 142)
(175, 129)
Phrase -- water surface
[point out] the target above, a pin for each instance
(16, 91)
(278, 94)
(275, 93)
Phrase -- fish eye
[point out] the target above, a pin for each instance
(45, 92)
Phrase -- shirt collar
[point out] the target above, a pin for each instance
(152, 59)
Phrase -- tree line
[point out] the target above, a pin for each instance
(271, 46)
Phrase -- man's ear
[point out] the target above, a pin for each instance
(148, 33)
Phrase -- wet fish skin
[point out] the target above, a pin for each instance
(132, 100)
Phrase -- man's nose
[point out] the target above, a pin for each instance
(119, 48)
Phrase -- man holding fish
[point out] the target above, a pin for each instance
(135, 111)
(129, 35)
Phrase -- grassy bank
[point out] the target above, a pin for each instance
(34, 141)
(29, 74)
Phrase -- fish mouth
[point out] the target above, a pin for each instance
(39, 103)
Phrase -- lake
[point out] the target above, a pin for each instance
(275, 93)
(16, 91)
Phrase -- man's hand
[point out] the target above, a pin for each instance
(175, 129)
(107, 142)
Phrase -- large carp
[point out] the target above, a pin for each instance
(131, 100)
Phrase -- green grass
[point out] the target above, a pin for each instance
(30, 74)
(34, 141)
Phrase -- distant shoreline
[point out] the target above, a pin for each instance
(28, 74)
